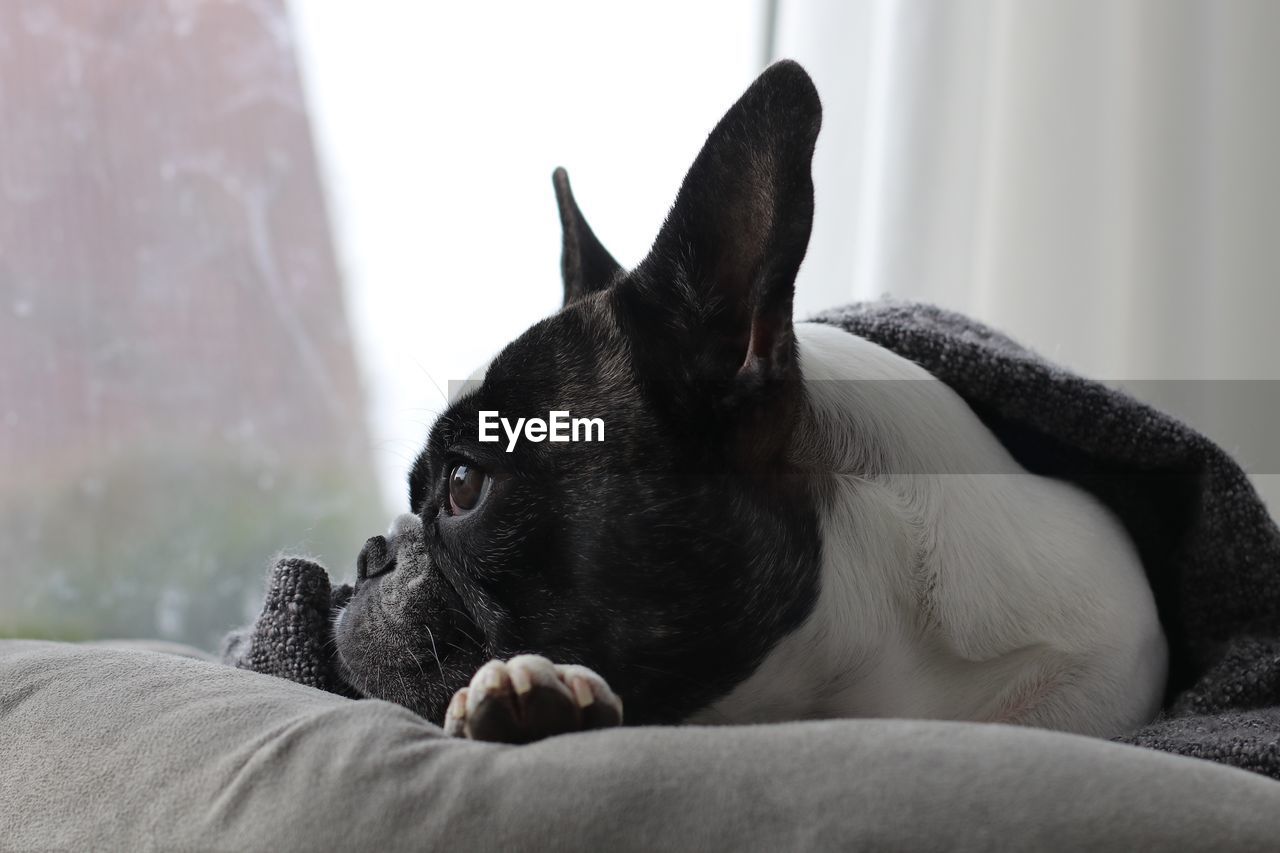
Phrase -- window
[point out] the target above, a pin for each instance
(219, 344)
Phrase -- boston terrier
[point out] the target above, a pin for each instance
(774, 520)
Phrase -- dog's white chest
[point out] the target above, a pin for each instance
(955, 585)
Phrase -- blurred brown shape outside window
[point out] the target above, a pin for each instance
(179, 397)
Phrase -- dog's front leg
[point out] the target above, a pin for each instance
(529, 698)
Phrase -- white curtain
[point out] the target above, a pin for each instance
(1099, 178)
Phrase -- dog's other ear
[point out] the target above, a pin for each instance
(584, 263)
(721, 273)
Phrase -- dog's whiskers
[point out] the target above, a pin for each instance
(432, 380)
(405, 647)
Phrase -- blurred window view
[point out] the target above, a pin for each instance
(181, 398)
(244, 245)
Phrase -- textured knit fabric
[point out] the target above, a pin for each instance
(292, 637)
(1210, 548)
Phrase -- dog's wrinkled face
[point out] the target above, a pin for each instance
(671, 555)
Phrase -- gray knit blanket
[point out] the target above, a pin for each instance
(1210, 548)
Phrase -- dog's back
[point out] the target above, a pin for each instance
(955, 584)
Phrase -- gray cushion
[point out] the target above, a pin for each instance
(110, 748)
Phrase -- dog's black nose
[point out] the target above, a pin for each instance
(375, 559)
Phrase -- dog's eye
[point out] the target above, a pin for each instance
(467, 487)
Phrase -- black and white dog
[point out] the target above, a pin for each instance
(768, 530)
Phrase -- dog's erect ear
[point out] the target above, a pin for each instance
(722, 270)
(585, 264)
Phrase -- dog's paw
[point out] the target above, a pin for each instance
(529, 698)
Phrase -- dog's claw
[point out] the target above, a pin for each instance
(529, 698)
(455, 717)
